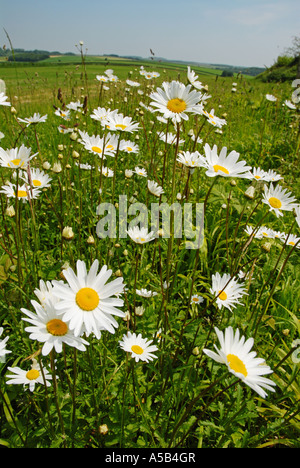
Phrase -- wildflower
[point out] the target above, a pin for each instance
(36, 178)
(258, 174)
(195, 299)
(23, 193)
(140, 171)
(278, 199)
(213, 119)
(135, 84)
(140, 348)
(3, 100)
(117, 122)
(63, 114)
(48, 328)
(32, 377)
(3, 350)
(88, 303)
(128, 147)
(68, 233)
(128, 173)
(16, 158)
(75, 106)
(224, 165)
(101, 113)
(272, 176)
(169, 138)
(154, 188)
(57, 167)
(145, 293)
(297, 213)
(192, 77)
(45, 292)
(235, 354)
(292, 240)
(35, 119)
(175, 101)
(10, 211)
(227, 290)
(140, 235)
(191, 160)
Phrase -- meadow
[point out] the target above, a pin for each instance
(145, 340)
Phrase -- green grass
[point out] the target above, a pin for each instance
(178, 399)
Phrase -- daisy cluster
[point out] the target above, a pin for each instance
(88, 302)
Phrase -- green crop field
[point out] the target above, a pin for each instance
(149, 257)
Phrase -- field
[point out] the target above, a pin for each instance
(108, 334)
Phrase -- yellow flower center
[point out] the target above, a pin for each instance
(57, 327)
(291, 243)
(236, 364)
(16, 162)
(128, 148)
(176, 105)
(137, 349)
(220, 168)
(33, 374)
(257, 177)
(36, 183)
(87, 299)
(195, 299)
(110, 147)
(22, 194)
(222, 295)
(121, 126)
(96, 149)
(275, 202)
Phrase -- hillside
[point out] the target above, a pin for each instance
(284, 69)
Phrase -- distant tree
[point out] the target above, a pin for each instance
(227, 73)
(294, 51)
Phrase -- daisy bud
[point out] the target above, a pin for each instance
(125, 252)
(90, 240)
(46, 165)
(68, 233)
(250, 192)
(75, 154)
(60, 147)
(103, 429)
(57, 168)
(10, 211)
(139, 311)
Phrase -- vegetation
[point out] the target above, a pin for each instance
(182, 398)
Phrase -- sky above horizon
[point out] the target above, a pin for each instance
(233, 32)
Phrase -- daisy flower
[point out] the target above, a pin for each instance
(192, 77)
(35, 119)
(3, 100)
(169, 138)
(213, 119)
(224, 165)
(48, 328)
(107, 172)
(140, 348)
(16, 158)
(271, 98)
(235, 353)
(272, 176)
(3, 350)
(195, 299)
(117, 122)
(140, 235)
(102, 78)
(87, 303)
(175, 101)
(297, 213)
(134, 84)
(191, 160)
(128, 147)
(31, 378)
(23, 193)
(258, 174)
(250, 230)
(93, 144)
(101, 113)
(36, 178)
(140, 171)
(278, 199)
(292, 240)
(145, 293)
(65, 114)
(227, 289)
(154, 188)
(75, 106)
(45, 292)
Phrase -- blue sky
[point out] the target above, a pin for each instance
(236, 32)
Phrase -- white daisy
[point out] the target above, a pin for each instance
(3, 350)
(117, 122)
(278, 199)
(213, 119)
(128, 147)
(196, 299)
(250, 230)
(140, 235)
(16, 158)
(175, 101)
(292, 240)
(3, 100)
(145, 293)
(272, 176)
(266, 232)
(64, 114)
(193, 79)
(23, 193)
(75, 106)
(102, 78)
(191, 160)
(36, 178)
(35, 119)
(224, 165)
(140, 171)
(140, 348)
(31, 378)
(87, 303)
(169, 138)
(135, 84)
(154, 188)
(227, 290)
(258, 174)
(48, 328)
(297, 213)
(45, 292)
(101, 113)
(236, 355)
